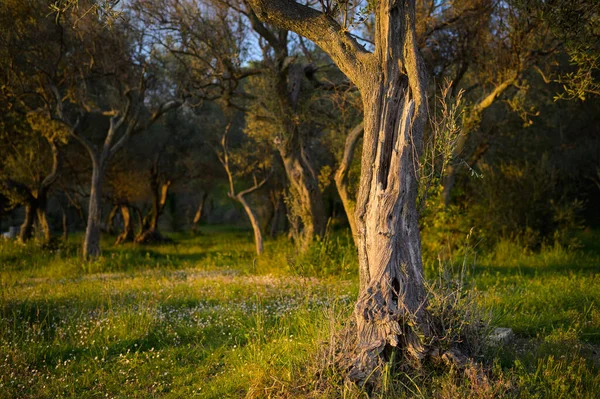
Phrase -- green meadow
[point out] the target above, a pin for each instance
(202, 317)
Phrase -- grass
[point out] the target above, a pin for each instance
(204, 318)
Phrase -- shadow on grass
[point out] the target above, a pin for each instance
(50, 347)
(144, 258)
(535, 271)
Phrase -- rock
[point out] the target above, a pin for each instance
(12, 233)
(501, 336)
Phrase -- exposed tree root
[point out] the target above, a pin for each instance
(411, 342)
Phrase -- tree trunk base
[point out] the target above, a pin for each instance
(125, 236)
(384, 332)
(408, 341)
(151, 237)
(196, 231)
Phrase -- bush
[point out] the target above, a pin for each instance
(525, 202)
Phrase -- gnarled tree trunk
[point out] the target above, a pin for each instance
(159, 200)
(36, 199)
(305, 190)
(390, 311)
(304, 182)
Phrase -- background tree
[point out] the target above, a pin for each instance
(174, 154)
(125, 189)
(247, 160)
(29, 166)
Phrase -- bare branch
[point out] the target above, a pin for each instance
(53, 175)
(351, 141)
(256, 185)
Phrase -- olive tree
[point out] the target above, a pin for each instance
(391, 308)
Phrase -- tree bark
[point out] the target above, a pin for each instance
(391, 304)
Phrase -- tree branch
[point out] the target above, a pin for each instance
(256, 185)
(51, 178)
(349, 55)
(351, 141)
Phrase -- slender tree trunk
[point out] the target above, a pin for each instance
(198, 214)
(258, 240)
(26, 230)
(279, 209)
(240, 196)
(341, 177)
(42, 219)
(127, 233)
(91, 243)
(111, 219)
(65, 224)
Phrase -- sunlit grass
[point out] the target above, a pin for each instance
(202, 317)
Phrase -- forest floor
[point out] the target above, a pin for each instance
(201, 317)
